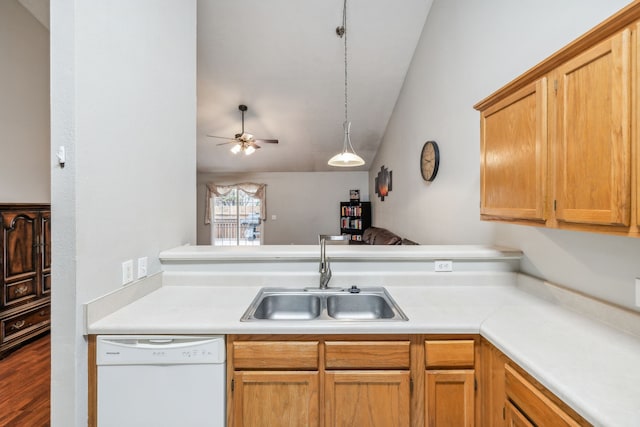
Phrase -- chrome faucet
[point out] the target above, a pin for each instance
(325, 269)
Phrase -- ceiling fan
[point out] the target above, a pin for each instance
(243, 141)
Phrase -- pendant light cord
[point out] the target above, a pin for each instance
(344, 34)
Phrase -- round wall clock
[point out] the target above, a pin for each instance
(429, 160)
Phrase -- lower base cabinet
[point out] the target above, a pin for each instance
(510, 397)
(528, 401)
(450, 390)
(450, 398)
(287, 399)
(351, 380)
(367, 398)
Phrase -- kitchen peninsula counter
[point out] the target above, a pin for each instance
(586, 363)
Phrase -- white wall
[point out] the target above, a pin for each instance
(468, 50)
(123, 104)
(24, 106)
(305, 203)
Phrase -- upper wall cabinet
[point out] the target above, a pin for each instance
(592, 139)
(558, 142)
(513, 155)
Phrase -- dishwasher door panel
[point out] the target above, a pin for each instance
(160, 394)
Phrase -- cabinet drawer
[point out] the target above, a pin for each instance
(275, 355)
(533, 403)
(449, 354)
(19, 291)
(25, 322)
(367, 354)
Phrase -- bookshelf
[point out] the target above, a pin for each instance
(355, 217)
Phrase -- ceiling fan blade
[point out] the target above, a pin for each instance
(228, 142)
(253, 144)
(221, 137)
(267, 141)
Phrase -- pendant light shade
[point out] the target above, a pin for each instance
(348, 157)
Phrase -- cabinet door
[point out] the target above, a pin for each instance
(283, 399)
(513, 155)
(539, 408)
(19, 266)
(449, 398)
(592, 142)
(45, 257)
(514, 418)
(492, 391)
(367, 398)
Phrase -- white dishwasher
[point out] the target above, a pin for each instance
(161, 381)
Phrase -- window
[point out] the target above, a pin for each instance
(236, 213)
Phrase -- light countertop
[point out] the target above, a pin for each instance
(592, 367)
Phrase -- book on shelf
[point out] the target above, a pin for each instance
(351, 211)
(351, 223)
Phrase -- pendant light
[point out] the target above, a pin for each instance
(348, 156)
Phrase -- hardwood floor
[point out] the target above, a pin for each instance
(25, 375)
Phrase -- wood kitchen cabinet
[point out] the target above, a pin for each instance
(274, 383)
(287, 399)
(592, 149)
(450, 383)
(557, 143)
(25, 278)
(513, 155)
(533, 403)
(367, 398)
(492, 392)
(511, 397)
(281, 380)
(367, 383)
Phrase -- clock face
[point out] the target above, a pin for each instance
(429, 160)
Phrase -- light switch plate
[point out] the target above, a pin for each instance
(142, 267)
(127, 271)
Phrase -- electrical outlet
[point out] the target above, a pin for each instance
(127, 271)
(443, 265)
(637, 291)
(142, 267)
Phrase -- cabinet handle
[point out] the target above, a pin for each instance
(21, 290)
(18, 325)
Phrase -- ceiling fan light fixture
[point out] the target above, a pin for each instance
(348, 157)
(244, 141)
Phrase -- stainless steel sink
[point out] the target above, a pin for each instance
(288, 307)
(359, 307)
(337, 304)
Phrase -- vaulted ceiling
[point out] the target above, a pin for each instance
(283, 59)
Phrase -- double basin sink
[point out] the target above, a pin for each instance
(341, 304)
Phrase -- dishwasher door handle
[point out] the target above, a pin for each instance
(158, 341)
